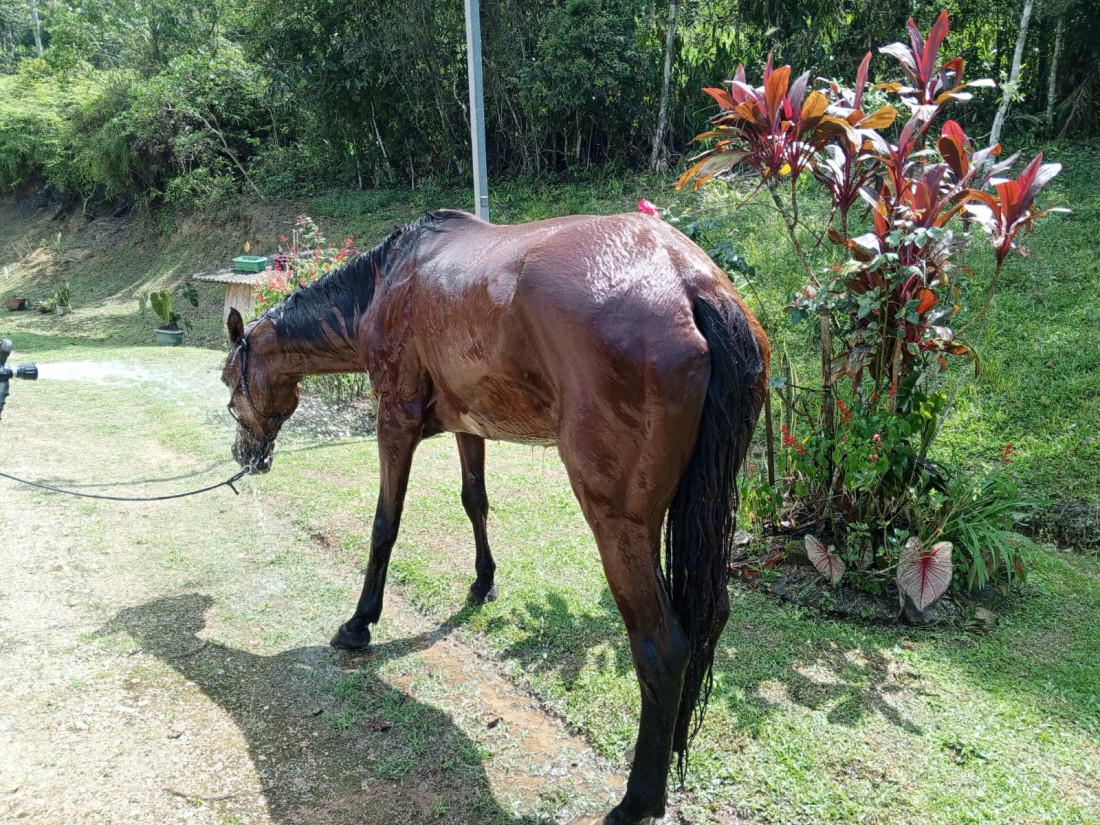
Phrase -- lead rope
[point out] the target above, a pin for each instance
(227, 483)
(242, 347)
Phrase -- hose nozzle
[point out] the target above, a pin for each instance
(28, 372)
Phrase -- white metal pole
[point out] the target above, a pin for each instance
(477, 108)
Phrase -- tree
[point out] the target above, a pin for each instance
(585, 73)
(657, 156)
(143, 34)
(36, 27)
(1052, 77)
(1011, 88)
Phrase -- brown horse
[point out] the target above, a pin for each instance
(614, 338)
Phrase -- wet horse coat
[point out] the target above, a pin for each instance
(615, 339)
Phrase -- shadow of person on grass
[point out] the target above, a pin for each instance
(314, 727)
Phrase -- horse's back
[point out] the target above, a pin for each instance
(625, 279)
(578, 317)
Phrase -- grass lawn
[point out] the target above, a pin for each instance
(811, 719)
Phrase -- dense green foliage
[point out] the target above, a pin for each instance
(193, 100)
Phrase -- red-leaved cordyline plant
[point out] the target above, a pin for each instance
(1013, 207)
(776, 128)
(893, 301)
(934, 84)
(845, 168)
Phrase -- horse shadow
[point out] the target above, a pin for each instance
(553, 639)
(757, 673)
(317, 729)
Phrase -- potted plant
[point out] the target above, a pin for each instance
(169, 334)
(61, 297)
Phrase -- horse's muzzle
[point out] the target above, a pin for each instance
(255, 464)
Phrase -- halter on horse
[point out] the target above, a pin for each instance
(614, 338)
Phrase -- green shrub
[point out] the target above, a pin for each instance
(186, 135)
(34, 136)
(196, 121)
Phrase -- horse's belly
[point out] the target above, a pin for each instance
(497, 410)
(517, 432)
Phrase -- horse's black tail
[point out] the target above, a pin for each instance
(702, 517)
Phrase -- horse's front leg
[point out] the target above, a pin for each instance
(471, 453)
(396, 445)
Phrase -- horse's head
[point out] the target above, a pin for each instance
(263, 393)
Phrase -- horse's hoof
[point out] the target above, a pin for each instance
(477, 597)
(346, 639)
(617, 817)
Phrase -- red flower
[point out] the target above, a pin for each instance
(647, 208)
(845, 413)
(1006, 454)
(790, 441)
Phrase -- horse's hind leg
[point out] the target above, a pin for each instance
(471, 452)
(624, 497)
(658, 646)
(395, 449)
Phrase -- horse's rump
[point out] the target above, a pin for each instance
(514, 322)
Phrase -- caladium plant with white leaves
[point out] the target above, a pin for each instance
(826, 560)
(924, 574)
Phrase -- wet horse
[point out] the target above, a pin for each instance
(615, 339)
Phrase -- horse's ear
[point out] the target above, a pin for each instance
(235, 324)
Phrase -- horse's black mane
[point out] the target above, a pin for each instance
(337, 299)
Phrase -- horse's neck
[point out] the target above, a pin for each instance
(308, 357)
(324, 362)
(321, 329)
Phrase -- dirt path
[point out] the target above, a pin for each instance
(165, 663)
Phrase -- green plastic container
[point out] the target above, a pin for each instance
(250, 263)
